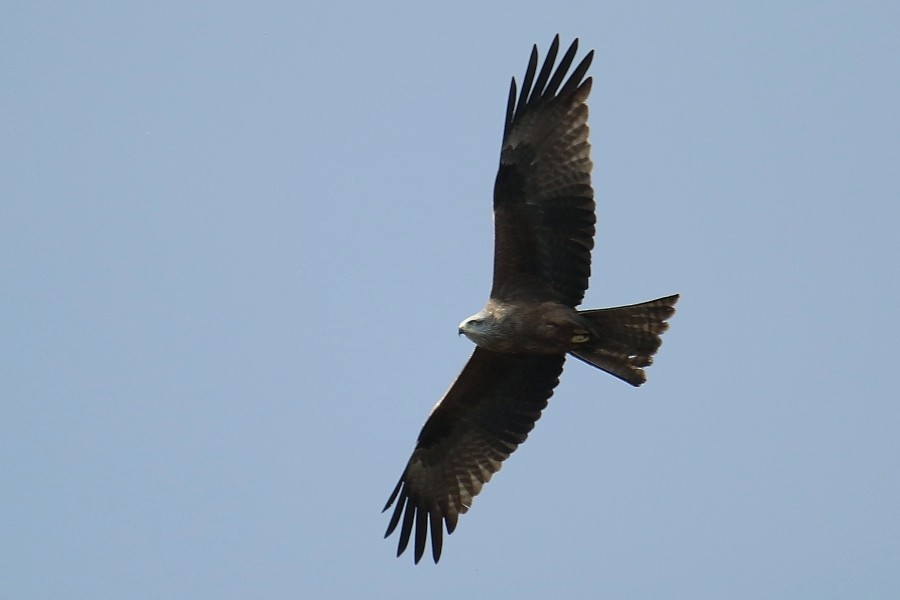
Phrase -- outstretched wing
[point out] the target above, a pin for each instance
(487, 412)
(543, 200)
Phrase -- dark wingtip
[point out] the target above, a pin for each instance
(541, 82)
(409, 514)
(395, 518)
(510, 107)
(421, 532)
(437, 536)
(393, 495)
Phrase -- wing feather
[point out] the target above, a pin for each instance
(529, 76)
(564, 65)
(484, 416)
(545, 70)
(543, 199)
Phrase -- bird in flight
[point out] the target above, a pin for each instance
(543, 236)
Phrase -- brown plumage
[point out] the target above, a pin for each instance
(543, 236)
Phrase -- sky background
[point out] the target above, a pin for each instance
(236, 241)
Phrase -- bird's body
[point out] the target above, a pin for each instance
(544, 217)
(531, 328)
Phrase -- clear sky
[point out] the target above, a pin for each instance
(236, 242)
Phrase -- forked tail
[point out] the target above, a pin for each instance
(626, 337)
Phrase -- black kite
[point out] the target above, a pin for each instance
(543, 236)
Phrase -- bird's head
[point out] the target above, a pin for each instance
(478, 327)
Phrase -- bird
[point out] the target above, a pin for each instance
(544, 225)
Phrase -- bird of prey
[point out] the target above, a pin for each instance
(543, 236)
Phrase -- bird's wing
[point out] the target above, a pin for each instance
(543, 199)
(480, 421)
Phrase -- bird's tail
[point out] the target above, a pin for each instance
(626, 337)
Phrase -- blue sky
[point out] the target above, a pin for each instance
(237, 241)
